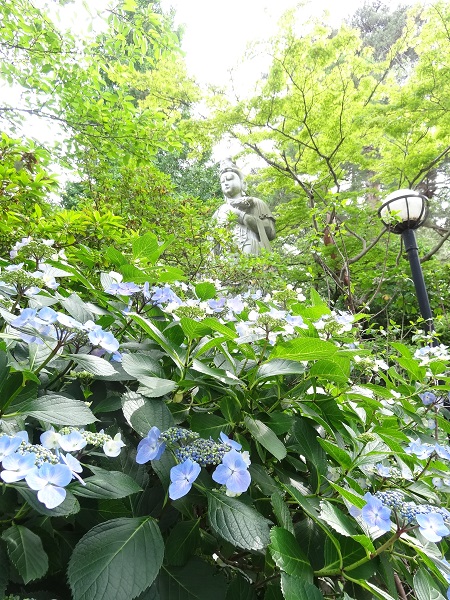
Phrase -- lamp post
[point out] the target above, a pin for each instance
(402, 212)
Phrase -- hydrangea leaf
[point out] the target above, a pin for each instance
(26, 552)
(117, 559)
(237, 522)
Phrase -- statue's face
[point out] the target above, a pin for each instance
(231, 185)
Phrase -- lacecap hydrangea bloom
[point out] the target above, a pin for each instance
(192, 453)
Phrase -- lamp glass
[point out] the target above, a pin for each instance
(403, 208)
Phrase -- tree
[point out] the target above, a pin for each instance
(336, 128)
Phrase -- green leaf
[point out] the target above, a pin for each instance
(55, 409)
(337, 370)
(4, 571)
(425, 587)
(281, 511)
(294, 588)
(145, 246)
(237, 522)
(139, 364)
(175, 353)
(26, 552)
(339, 455)
(182, 542)
(336, 519)
(218, 374)
(219, 327)
(353, 498)
(155, 387)
(143, 414)
(116, 257)
(117, 559)
(70, 506)
(197, 580)
(205, 291)
(304, 349)
(194, 329)
(266, 437)
(277, 367)
(209, 425)
(114, 484)
(93, 364)
(287, 554)
(240, 589)
(306, 441)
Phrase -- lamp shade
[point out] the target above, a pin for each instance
(403, 209)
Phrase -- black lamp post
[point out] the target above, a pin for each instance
(402, 212)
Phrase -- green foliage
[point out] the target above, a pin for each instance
(328, 427)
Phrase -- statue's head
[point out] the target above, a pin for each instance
(228, 166)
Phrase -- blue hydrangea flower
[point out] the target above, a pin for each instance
(226, 440)
(442, 451)
(375, 514)
(26, 317)
(17, 466)
(233, 473)
(382, 470)
(8, 445)
(428, 398)
(49, 481)
(422, 451)
(150, 448)
(50, 439)
(182, 477)
(74, 465)
(104, 339)
(432, 526)
(72, 442)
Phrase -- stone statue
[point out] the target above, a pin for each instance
(255, 224)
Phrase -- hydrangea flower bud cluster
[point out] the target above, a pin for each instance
(49, 467)
(193, 453)
(412, 513)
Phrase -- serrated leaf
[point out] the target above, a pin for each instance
(339, 455)
(281, 511)
(142, 414)
(337, 369)
(266, 437)
(294, 588)
(306, 441)
(194, 329)
(197, 580)
(205, 291)
(155, 387)
(424, 586)
(336, 519)
(237, 522)
(69, 506)
(240, 589)
(138, 364)
(209, 425)
(114, 484)
(182, 542)
(353, 498)
(287, 554)
(54, 409)
(117, 559)
(145, 246)
(96, 365)
(4, 571)
(304, 349)
(26, 552)
(279, 366)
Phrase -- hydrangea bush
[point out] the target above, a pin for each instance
(163, 440)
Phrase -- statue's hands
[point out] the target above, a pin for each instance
(250, 222)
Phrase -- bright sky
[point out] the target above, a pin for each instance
(217, 32)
